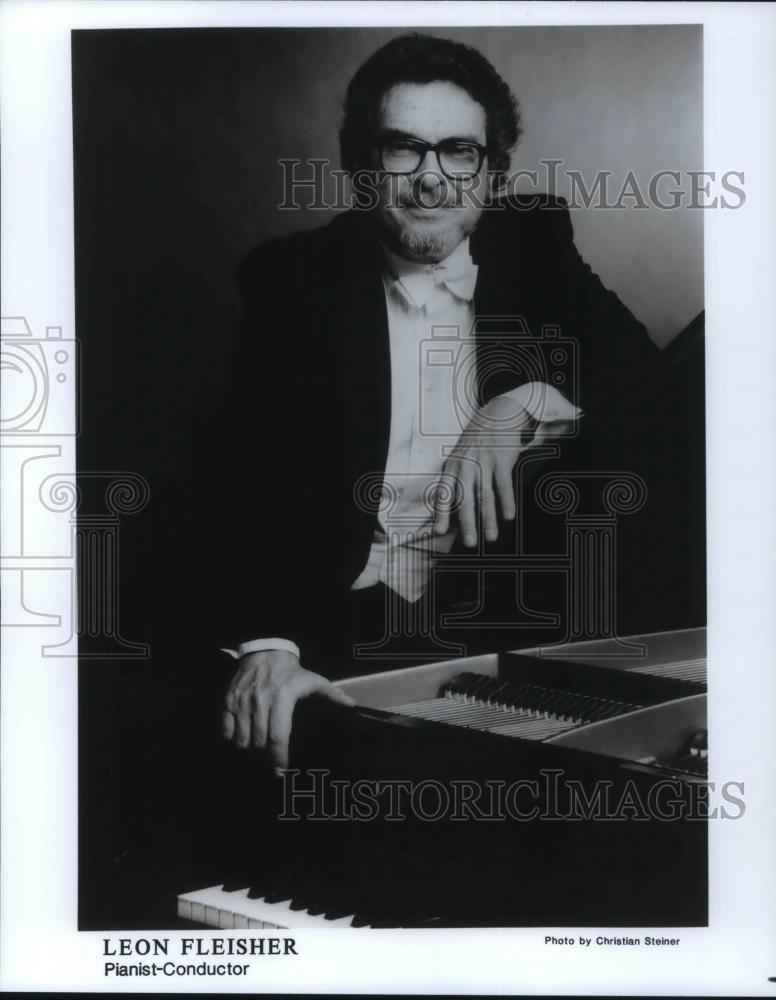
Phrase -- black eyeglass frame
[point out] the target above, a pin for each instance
(423, 148)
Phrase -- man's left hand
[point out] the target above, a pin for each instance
(481, 468)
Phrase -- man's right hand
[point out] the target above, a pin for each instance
(260, 700)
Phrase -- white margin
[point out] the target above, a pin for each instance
(40, 947)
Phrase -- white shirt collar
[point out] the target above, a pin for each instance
(457, 272)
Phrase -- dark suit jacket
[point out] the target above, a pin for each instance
(307, 413)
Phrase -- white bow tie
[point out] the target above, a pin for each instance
(460, 281)
(458, 274)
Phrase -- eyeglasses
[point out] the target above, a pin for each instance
(457, 158)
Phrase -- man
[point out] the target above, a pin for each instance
(335, 407)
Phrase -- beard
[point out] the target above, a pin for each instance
(431, 247)
(427, 240)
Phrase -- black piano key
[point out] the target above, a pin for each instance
(301, 888)
(593, 709)
(496, 689)
(305, 898)
(570, 706)
(454, 683)
(346, 898)
(317, 894)
(507, 693)
(477, 687)
(608, 710)
(278, 896)
(547, 699)
(619, 708)
(532, 697)
(466, 684)
(233, 885)
(371, 897)
(338, 911)
(281, 886)
(552, 704)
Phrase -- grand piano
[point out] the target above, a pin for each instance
(607, 827)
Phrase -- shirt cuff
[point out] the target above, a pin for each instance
(543, 402)
(259, 645)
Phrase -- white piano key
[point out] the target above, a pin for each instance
(212, 906)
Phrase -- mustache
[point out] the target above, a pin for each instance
(444, 195)
(430, 200)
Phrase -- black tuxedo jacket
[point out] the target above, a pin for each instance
(307, 413)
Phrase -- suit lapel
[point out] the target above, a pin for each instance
(498, 286)
(499, 302)
(358, 325)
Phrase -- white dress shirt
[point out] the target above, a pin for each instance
(431, 333)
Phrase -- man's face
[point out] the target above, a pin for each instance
(425, 215)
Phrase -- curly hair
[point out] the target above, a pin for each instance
(420, 58)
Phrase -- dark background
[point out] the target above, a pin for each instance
(176, 138)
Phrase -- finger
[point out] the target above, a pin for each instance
(280, 719)
(259, 718)
(488, 512)
(227, 724)
(466, 513)
(443, 501)
(441, 522)
(238, 688)
(229, 714)
(312, 683)
(506, 492)
(338, 695)
(242, 734)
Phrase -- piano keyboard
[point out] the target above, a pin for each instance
(216, 907)
(684, 670)
(525, 711)
(649, 715)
